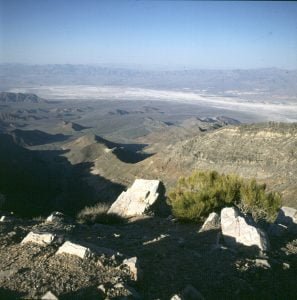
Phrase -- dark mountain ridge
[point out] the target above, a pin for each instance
(6, 97)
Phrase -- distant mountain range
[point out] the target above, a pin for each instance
(271, 80)
(6, 97)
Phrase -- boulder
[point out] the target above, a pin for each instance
(137, 199)
(55, 216)
(238, 229)
(42, 239)
(102, 288)
(212, 222)
(49, 296)
(133, 265)
(262, 263)
(75, 249)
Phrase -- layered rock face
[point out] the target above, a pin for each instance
(137, 199)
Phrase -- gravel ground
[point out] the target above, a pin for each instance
(171, 256)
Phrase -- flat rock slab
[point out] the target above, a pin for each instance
(237, 229)
(43, 239)
(75, 249)
(137, 199)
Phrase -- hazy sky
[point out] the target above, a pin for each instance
(173, 34)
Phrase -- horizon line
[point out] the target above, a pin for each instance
(148, 68)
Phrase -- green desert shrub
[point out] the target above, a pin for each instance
(98, 214)
(257, 202)
(194, 197)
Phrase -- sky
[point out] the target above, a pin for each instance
(150, 34)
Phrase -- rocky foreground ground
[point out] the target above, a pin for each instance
(173, 259)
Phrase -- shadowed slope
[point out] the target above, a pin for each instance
(38, 182)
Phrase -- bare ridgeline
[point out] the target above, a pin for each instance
(86, 172)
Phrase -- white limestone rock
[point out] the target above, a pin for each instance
(42, 239)
(55, 216)
(7, 217)
(212, 222)
(137, 199)
(133, 265)
(102, 288)
(49, 296)
(236, 229)
(75, 249)
(262, 263)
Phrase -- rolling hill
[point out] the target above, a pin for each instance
(265, 151)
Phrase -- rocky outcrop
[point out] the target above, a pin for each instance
(212, 222)
(75, 249)
(133, 265)
(238, 229)
(166, 254)
(42, 239)
(137, 199)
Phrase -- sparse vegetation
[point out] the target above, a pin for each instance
(98, 214)
(196, 196)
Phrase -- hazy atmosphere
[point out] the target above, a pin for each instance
(148, 149)
(150, 34)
